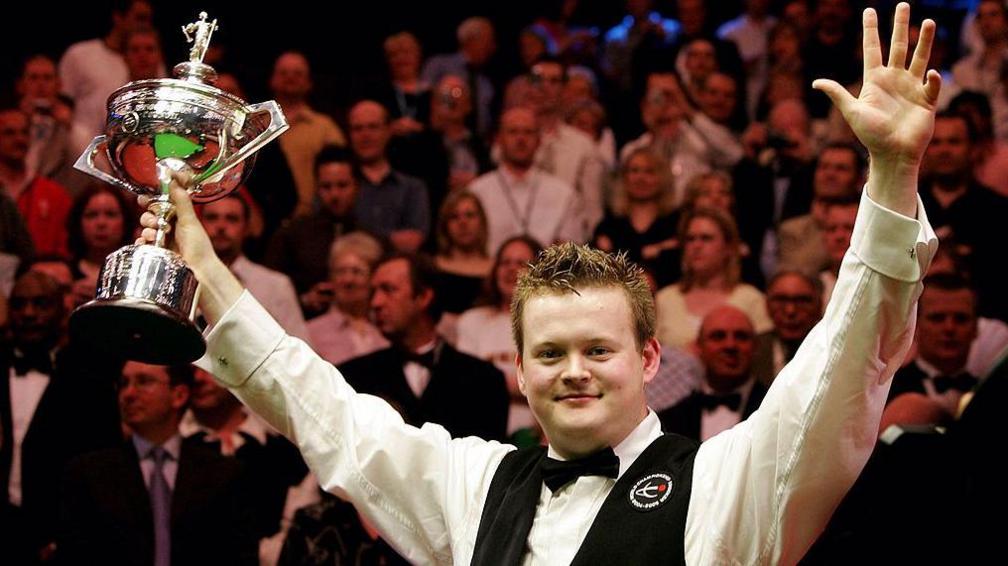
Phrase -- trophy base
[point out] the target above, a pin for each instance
(138, 329)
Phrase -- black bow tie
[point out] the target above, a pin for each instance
(711, 401)
(558, 473)
(38, 361)
(427, 359)
(962, 382)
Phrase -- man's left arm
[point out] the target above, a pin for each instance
(763, 491)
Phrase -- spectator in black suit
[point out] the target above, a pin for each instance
(729, 393)
(946, 327)
(426, 378)
(155, 499)
(958, 205)
(55, 402)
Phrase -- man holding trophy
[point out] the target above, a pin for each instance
(759, 493)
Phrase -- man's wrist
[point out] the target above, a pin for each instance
(892, 183)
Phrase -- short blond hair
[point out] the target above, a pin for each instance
(568, 267)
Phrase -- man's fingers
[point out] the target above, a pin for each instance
(840, 96)
(922, 53)
(871, 46)
(183, 204)
(900, 36)
(932, 86)
(148, 235)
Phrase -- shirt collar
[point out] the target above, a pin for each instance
(631, 447)
(172, 446)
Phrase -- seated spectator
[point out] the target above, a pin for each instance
(142, 53)
(837, 231)
(56, 401)
(521, 199)
(690, 141)
(310, 131)
(981, 70)
(156, 495)
(946, 326)
(467, 155)
(749, 32)
(406, 95)
(43, 203)
(53, 143)
(642, 220)
(728, 393)
(16, 247)
(390, 204)
(991, 154)
(718, 98)
(587, 115)
(794, 301)
(711, 273)
(300, 249)
(101, 220)
(272, 467)
(485, 331)
(345, 331)
(462, 261)
(476, 45)
(426, 377)
(226, 221)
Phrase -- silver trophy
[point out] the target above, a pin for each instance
(157, 130)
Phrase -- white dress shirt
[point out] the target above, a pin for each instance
(762, 491)
(275, 292)
(538, 204)
(25, 393)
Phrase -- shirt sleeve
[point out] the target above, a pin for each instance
(421, 489)
(765, 489)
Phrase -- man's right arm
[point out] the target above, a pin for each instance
(419, 487)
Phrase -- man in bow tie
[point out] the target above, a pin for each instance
(55, 402)
(729, 393)
(947, 326)
(584, 326)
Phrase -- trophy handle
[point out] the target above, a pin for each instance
(85, 163)
(278, 125)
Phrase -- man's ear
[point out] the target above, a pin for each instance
(520, 374)
(651, 359)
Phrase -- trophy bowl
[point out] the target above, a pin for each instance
(161, 132)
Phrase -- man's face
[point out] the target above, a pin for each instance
(369, 131)
(147, 400)
(705, 250)
(337, 188)
(224, 221)
(451, 100)
(660, 113)
(838, 230)
(518, 137)
(794, 307)
(548, 79)
(138, 16)
(836, 173)
(13, 137)
(582, 370)
(395, 305)
(143, 56)
(39, 80)
(990, 20)
(718, 97)
(514, 258)
(291, 76)
(700, 59)
(726, 346)
(36, 311)
(832, 14)
(102, 222)
(481, 48)
(789, 120)
(946, 326)
(206, 394)
(949, 153)
(692, 15)
(403, 57)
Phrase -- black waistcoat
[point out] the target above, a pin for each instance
(642, 521)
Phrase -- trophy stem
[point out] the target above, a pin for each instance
(164, 210)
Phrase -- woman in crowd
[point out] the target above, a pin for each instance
(641, 220)
(485, 331)
(711, 277)
(462, 259)
(101, 220)
(345, 331)
(406, 95)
